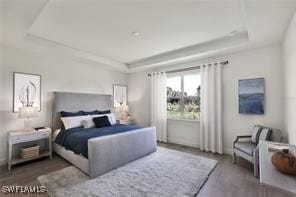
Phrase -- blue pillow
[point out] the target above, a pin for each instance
(96, 112)
(69, 114)
(102, 121)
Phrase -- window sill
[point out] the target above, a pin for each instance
(185, 120)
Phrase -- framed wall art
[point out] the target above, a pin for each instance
(251, 96)
(119, 95)
(26, 90)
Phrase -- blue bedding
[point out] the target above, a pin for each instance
(76, 139)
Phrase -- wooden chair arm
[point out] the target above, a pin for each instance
(239, 137)
(244, 136)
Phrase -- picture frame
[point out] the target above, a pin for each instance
(26, 90)
(251, 96)
(119, 95)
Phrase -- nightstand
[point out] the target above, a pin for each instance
(24, 139)
(128, 121)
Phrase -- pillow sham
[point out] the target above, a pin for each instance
(88, 123)
(96, 112)
(102, 121)
(74, 121)
(71, 114)
(112, 118)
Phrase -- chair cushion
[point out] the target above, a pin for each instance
(246, 147)
(256, 133)
(265, 134)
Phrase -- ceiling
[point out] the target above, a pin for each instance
(105, 28)
(105, 32)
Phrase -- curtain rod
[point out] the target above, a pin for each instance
(193, 67)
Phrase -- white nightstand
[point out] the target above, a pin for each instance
(21, 139)
(128, 121)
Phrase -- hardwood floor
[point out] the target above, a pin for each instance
(227, 180)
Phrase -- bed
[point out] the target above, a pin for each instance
(107, 152)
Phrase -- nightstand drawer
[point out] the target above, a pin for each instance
(37, 135)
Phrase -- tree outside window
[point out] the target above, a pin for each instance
(183, 96)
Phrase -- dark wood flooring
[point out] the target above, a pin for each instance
(227, 180)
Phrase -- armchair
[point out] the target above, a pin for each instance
(249, 150)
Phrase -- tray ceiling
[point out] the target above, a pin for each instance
(129, 35)
(128, 31)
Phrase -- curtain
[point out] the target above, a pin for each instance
(158, 105)
(211, 108)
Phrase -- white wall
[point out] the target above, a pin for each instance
(58, 74)
(184, 132)
(289, 56)
(262, 62)
(1, 65)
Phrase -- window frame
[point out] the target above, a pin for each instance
(182, 97)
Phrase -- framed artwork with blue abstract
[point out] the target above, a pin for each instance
(251, 96)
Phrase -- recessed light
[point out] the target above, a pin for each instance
(135, 33)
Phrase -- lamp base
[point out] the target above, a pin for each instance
(123, 116)
(28, 125)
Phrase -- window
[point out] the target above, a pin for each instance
(183, 96)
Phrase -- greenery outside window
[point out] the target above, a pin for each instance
(183, 96)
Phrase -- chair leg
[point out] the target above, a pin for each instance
(256, 170)
(234, 158)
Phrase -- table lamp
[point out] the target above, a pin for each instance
(27, 113)
(124, 111)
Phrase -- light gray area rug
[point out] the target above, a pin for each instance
(163, 173)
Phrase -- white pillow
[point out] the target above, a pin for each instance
(73, 121)
(111, 117)
(88, 123)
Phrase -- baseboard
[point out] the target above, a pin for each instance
(3, 162)
(227, 151)
(183, 142)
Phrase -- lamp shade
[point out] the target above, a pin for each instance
(27, 112)
(125, 108)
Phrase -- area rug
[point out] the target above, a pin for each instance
(163, 173)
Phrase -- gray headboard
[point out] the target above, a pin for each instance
(73, 102)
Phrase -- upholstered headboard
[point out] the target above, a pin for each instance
(73, 102)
